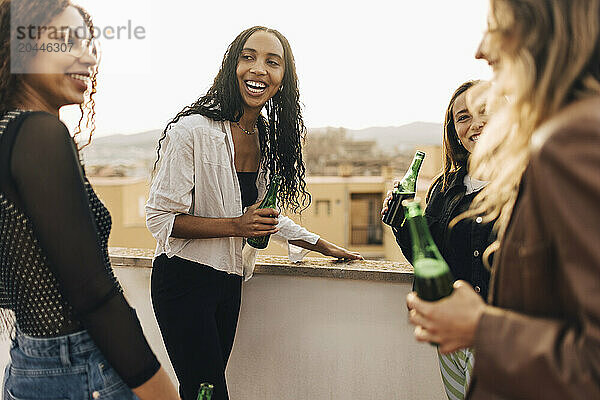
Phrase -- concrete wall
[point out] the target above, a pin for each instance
(315, 338)
(320, 338)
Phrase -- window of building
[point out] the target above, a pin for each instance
(365, 219)
(323, 207)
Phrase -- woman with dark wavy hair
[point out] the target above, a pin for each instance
(217, 156)
(74, 334)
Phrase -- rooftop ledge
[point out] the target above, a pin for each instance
(389, 271)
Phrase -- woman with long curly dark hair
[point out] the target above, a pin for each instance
(74, 334)
(216, 157)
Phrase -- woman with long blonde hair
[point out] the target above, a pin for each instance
(540, 335)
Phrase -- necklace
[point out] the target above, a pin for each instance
(245, 131)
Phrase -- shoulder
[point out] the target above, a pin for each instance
(567, 147)
(454, 178)
(194, 125)
(43, 121)
(45, 130)
(435, 188)
(197, 121)
(576, 128)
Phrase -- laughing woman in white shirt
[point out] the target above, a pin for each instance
(214, 162)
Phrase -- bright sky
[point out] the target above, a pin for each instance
(360, 64)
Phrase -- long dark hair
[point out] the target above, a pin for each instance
(280, 134)
(37, 13)
(454, 155)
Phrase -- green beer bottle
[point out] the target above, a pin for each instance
(433, 279)
(270, 201)
(394, 216)
(205, 392)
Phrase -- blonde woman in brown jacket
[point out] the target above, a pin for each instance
(540, 336)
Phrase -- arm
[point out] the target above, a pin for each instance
(566, 352)
(403, 239)
(516, 351)
(49, 181)
(328, 249)
(158, 387)
(402, 233)
(170, 202)
(255, 222)
(296, 235)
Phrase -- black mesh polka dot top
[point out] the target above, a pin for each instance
(55, 273)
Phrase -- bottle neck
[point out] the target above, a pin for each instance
(423, 244)
(408, 184)
(271, 196)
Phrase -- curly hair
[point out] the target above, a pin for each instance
(281, 132)
(37, 13)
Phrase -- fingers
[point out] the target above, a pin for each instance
(413, 301)
(423, 335)
(265, 218)
(418, 320)
(386, 202)
(266, 221)
(351, 255)
(461, 285)
(263, 227)
(254, 206)
(259, 233)
(267, 212)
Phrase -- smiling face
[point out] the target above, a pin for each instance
(60, 78)
(469, 117)
(260, 69)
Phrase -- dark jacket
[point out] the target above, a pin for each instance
(462, 246)
(541, 337)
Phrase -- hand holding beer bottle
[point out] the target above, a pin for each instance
(433, 279)
(270, 201)
(393, 213)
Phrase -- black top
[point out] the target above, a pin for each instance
(55, 271)
(462, 246)
(248, 187)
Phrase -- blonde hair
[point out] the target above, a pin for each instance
(549, 56)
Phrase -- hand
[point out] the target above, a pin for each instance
(450, 322)
(257, 222)
(388, 197)
(333, 250)
(157, 387)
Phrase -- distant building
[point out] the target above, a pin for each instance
(345, 209)
(125, 198)
(433, 160)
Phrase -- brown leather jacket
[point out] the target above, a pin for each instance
(541, 337)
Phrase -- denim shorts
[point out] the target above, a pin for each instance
(68, 367)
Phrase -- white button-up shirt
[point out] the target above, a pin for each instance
(197, 176)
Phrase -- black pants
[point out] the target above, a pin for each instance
(197, 309)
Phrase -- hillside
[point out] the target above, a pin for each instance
(140, 148)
